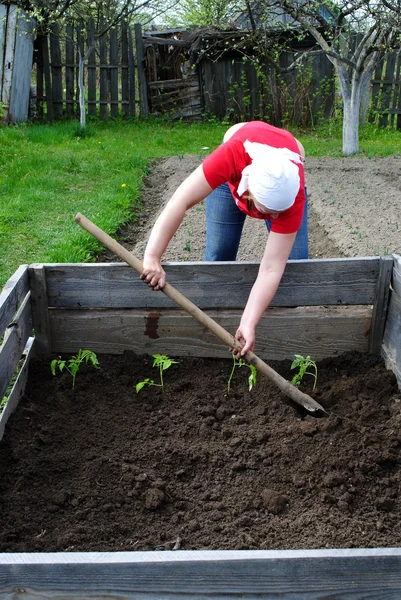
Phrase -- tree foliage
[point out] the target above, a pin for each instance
(103, 12)
(355, 35)
(204, 13)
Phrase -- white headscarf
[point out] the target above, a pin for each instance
(271, 177)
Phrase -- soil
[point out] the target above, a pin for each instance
(354, 210)
(193, 466)
(196, 467)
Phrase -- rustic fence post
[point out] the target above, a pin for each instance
(113, 72)
(56, 71)
(79, 52)
(131, 71)
(47, 78)
(91, 68)
(69, 72)
(103, 77)
(386, 90)
(16, 51)
(124, 70)
(140, 60)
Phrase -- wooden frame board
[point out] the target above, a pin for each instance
(352, 574)
(391, 343)
(336, 282)
(66, 296)
(282, 332)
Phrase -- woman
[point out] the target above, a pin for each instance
(257, 171)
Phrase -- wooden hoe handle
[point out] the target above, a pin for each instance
(285, 386)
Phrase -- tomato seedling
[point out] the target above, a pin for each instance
(303, 364)
(161, 361)
(74, 363)
(238, 362)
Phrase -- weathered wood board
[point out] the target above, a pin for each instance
(281, 332)
(351, 574)
(213, 285)
(391, 346)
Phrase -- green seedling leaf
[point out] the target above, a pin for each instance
(142, 384)
(303, 364)
(163, 362)
(74, 363)
(239, 362)
(252, 377)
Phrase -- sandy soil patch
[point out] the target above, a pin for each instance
(354, 210)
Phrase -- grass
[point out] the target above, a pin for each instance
(326, 140)
(48, 173)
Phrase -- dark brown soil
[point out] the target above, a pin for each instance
(195, 467)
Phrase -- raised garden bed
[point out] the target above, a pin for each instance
(196, 490)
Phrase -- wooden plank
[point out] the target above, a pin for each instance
(352, 574)
(91, 69)
(18, 388)
(9, 57)
(176, 98)
(124, 70)
(47, 78)
(56, 71)
(140, 65)
(40, 90)
(69, 71)
(169, 84)
(213, 285)
(12, 295)
(131, 70)
(380, 304)
(319, 332)
(386, 90)
(114, 72)
(391, 348)
(21, 76)
(103, 76)
(3, 22)
(80, 48)
(152, 41)
(397, 95)
(40, 311)
(376, 83)
(396, 279)
(15, 339)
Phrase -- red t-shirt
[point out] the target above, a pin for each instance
(227, 162)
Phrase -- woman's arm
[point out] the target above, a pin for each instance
(193, 189)
(278, 248)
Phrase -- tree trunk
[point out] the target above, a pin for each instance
(351, 106)
(351, 125)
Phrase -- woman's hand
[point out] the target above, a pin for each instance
(246, 336)
(153, 273)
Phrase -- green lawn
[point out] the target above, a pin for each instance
(48, 173)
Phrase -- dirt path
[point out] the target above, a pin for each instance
(354, 210)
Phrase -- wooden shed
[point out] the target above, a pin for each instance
(211, 72)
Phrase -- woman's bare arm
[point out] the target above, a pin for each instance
(277, 251)
(191, 191)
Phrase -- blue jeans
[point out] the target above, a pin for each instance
(224, 223)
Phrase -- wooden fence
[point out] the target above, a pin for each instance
(130, 73)
(386, 92)
(109, 71)
(237, 90)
